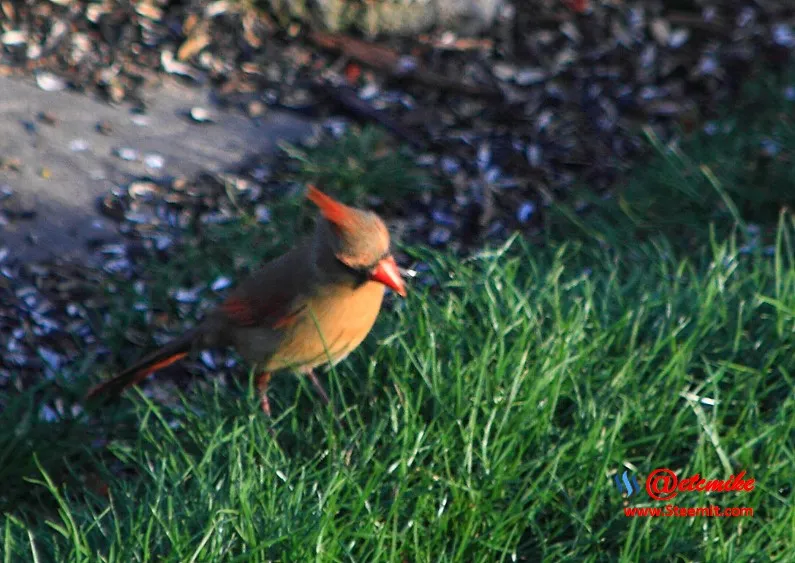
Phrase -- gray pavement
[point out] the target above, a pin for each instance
(66, 166)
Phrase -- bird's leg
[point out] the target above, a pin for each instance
(323, 395)
(263, 380)
(318, 386)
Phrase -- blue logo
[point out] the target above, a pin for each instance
(627, 484)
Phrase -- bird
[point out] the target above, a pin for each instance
(311, 306)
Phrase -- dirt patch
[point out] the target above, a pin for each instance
(55, 162)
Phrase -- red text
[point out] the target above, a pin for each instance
(670, 510)
(663, 484)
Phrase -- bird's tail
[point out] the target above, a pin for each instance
(157, 360)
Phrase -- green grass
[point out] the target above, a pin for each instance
(486, 416)
(361, 163)
(740, 173)
(483, 423)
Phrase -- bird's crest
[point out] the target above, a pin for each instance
(334, 211)
(361, 238)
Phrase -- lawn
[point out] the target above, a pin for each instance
(486, 417)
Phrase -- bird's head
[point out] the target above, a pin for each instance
(358, 240)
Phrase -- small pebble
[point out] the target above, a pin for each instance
(770, 148)
(439, 236)
(154, 161)
(51, 358)
(49, 82)
(207, 359)
(78, 145)
(140, 120)
(528, 76)
(678, 38)
(201, 115)
(104, 127)
(782, 35)
(450, 165)
(484, 156)
(127, 153)
(261, 173)
(492, 174)
(405, 65)
(163, 242)
(337, 127)
(13, 37)
(117, 266)
(47, 118)
(142, 190)
(443, 218)
(263, 214)
(533, 155)
(184, 295)
(48, 414)
(221, 283)
(256, 108)
(369, 92)
(525, 211)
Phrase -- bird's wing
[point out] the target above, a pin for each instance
(275, 310)
(274, 296)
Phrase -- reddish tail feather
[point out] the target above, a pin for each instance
(165, 356)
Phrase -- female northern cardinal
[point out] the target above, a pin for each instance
(312, 305)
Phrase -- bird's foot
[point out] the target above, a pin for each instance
(324, 396)
(263, 381)
(318, 387)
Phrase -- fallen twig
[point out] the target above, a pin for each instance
(346, 97)
(398, 66)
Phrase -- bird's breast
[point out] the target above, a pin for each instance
(334, 322)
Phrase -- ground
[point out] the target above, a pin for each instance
(61, 185)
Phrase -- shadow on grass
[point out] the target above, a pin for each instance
(32, 444)
(739, 170)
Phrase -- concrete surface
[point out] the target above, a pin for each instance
(62, 184)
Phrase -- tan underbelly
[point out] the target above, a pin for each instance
(328, 329)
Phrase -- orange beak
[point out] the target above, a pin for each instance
(387, 273)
